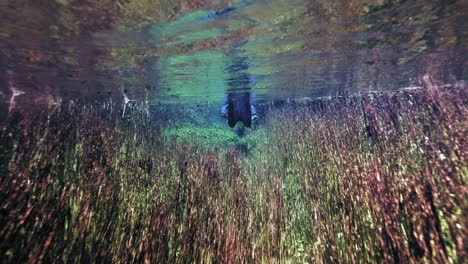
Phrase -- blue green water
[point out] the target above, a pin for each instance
(167, 52)
(293, 49)
(113, 147)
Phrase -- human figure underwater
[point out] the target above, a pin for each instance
(238, 104)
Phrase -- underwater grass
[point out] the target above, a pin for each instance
(376, 178)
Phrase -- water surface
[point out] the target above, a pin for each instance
(186, 51)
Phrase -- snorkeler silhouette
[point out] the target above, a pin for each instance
(238, 106)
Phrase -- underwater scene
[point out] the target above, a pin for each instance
(233, 131)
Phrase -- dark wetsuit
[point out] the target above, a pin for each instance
(239, 110)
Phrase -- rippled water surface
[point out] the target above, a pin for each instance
(188, 51)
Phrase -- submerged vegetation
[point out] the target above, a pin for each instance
(373, 178)
(363, 179)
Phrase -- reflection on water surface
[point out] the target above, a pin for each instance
(178, 51)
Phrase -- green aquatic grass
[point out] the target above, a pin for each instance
(216, 136)
(209, 137)
(364, 179)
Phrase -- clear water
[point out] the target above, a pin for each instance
(287, 49)
(86, 177)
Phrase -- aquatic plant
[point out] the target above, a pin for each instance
(363, 179)
(210, 137)
(372, 177)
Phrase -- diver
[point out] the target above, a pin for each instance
(237, 106)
